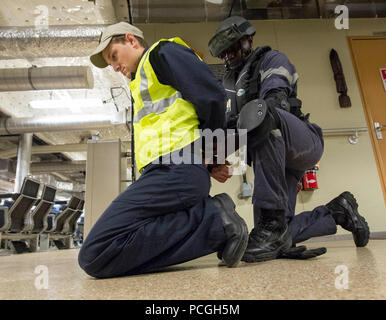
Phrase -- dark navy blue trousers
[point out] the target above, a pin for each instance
(166, 217)
(278, 164)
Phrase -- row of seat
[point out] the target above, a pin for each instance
(65, 222)
(20, 222)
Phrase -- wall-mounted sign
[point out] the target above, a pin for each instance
(383, 76)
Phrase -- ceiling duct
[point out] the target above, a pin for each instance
(66, 41)
(62, 123)
(46, 78)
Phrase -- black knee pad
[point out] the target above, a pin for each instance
(259, 118)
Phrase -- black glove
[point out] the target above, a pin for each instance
(302, 253)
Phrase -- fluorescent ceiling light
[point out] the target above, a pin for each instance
(66, 104)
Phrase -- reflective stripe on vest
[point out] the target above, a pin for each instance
(148, 105)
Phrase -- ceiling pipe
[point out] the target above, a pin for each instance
(56, 41)
(60, 123)
(55, 166)
(46, 78)
(46, 149)
(9, 168)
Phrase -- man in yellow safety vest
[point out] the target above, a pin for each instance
(166, 217)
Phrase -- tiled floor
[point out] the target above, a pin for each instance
(361, 270)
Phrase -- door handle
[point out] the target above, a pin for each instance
(378, 129)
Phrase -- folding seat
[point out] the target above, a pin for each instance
(70, 225)
(12, 219)
(37, 221)
(66, 214)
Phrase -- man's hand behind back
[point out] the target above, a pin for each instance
(222, 172)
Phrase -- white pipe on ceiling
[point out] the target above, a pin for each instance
(55, 41)
(62, 123)
(46, 78)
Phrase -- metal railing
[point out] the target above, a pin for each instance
(353, 133)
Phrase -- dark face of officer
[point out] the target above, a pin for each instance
(236, 55)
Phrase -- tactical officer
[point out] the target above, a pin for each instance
(261, 86)
(166, 217)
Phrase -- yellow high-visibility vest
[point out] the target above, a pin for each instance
(163, 121)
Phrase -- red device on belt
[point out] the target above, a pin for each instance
(309, 181)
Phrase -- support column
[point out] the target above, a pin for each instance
(23, 160)
(105, 178)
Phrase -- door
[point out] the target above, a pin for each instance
(369, 57)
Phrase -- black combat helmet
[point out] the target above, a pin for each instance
(228, 33)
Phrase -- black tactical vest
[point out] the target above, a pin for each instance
(244, 86)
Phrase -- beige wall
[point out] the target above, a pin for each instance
(307, 43)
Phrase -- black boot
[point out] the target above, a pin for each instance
(269, 238)
(235, 229)
(344, 210)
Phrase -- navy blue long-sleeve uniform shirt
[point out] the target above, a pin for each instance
(179, 67)
(277, 72)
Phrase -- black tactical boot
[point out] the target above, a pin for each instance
(269, 238)
(344, 210)
(235, 229)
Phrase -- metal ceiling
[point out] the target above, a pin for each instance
(172, 11)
